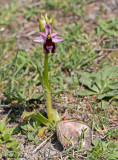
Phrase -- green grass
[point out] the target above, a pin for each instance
(76, 56)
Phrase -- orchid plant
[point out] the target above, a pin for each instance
(49, 40)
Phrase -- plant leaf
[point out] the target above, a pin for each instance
(56, 116)
(89, 83)
(41, 131)
(113, 93)
(6, 136)
(3, 124)
(37, 115)
(85, 93)
(96, 141)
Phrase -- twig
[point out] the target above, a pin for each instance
(3, 105)
(30, 33)
(100, 40)
(25, 151)
(113, 78)
(107, 49)
(42, 144)
(72, 147)
(92, 130)
(35, 4)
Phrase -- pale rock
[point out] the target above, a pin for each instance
(70, 131)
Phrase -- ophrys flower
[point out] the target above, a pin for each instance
(48, 39)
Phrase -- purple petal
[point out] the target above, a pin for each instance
(47, 29)
(38, 39)
(44, 35)
(57, 39)
(54, 34)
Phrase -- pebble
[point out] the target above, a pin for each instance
(69, 131)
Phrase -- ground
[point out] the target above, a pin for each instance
(89, 29)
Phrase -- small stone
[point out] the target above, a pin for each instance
(21, 146)
(71, 130)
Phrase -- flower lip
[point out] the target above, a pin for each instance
(49, 46)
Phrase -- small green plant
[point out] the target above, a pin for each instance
(103, 84)
(31, 128)
(112, 134)
(10, 144)
(107, 27)
(102, 150)
(81, 137)
(100, 116)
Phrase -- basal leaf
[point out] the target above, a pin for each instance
(85, 93)
(89, 83)
(6, 136)
(104, 83)
(42, 119)
(96, 141)
(56, 116)
(3, 124)
(109, 72)
(113, 86)
(113, 156)
(113, 93)
(37, 115)
(116, 97)
(84, 74)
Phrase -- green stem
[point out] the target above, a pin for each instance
(47, 90)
